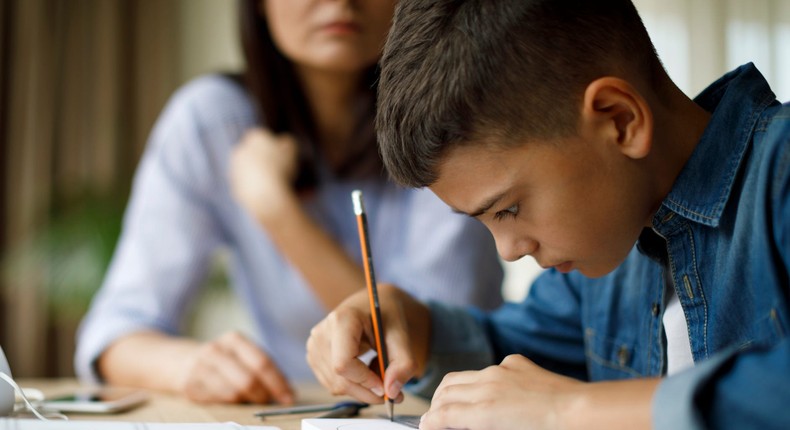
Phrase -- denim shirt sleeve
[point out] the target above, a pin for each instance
(458, 342)
(545, 327)
(732, 390)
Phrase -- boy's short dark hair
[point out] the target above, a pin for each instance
(459, 71)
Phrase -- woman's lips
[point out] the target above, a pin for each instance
(341, 27)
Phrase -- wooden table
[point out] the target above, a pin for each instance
(163, 407)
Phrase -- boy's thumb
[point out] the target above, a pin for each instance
(401, 368)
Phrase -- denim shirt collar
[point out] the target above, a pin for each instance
(703, 187)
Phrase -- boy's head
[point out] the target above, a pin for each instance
(541, 107)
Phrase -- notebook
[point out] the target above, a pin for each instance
(33, 424)
(352, 424)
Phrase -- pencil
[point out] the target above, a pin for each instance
(373, 295)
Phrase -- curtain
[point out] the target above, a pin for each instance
(81, 83)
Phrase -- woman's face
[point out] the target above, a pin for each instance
(329, 35)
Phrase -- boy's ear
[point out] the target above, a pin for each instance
(617, 112)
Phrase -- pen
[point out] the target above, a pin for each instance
(370, 278)
(333, 410)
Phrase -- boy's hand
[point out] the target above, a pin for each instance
(232, 369)
(337, 341)
(517, 394)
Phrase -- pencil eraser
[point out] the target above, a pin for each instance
(359, 206)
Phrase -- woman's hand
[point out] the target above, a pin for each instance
(229, 369)
(337, 341)
(263, 167)
(232, 369)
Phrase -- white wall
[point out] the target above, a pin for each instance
(699, 40)
(209, 34)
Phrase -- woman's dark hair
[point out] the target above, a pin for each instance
(282, 107)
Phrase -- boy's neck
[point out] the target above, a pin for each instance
(679, 125)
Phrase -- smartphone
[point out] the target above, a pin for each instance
(98, 400)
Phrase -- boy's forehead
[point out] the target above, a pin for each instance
(470, 174)
(479, 158)
(462, 162)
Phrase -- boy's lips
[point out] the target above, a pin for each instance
(564, 267)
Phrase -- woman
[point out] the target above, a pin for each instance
(264, 168)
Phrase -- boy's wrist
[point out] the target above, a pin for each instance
(611, 405)
(575, 413)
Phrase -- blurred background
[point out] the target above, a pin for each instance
(82, 81)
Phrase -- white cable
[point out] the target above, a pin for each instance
(29, 405)
(33, 394)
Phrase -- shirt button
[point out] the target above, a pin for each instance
(656, 309)
(622, 355)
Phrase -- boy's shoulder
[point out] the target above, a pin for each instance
(778, 131)
(775, 141)
(772, 138)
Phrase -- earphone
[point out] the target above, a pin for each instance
(6, 390)
(7, 398)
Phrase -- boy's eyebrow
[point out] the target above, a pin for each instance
(483, 207)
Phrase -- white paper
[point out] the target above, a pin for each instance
(33, 424)
(351, 424)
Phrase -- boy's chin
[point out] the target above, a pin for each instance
(596, 271)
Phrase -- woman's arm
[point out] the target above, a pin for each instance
(229, 369)
(262, 169)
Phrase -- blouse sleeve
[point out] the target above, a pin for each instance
(169, 231)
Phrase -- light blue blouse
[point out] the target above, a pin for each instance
(181, 213)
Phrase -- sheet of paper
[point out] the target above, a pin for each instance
(351, 424)
(33, 424)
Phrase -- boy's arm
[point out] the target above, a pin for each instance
(517, 393)
(545, 327)
(746, 389)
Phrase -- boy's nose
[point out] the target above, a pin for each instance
(512, 249)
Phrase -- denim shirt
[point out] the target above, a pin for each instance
(726, 223)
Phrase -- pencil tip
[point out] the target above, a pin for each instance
(391, 409)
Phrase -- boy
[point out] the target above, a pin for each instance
(664, 222)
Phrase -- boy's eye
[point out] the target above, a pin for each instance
(510, 212)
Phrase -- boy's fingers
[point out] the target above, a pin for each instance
(356, 372)
(338, 384)
(397, 374)
(348, 329)
(402, 366)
